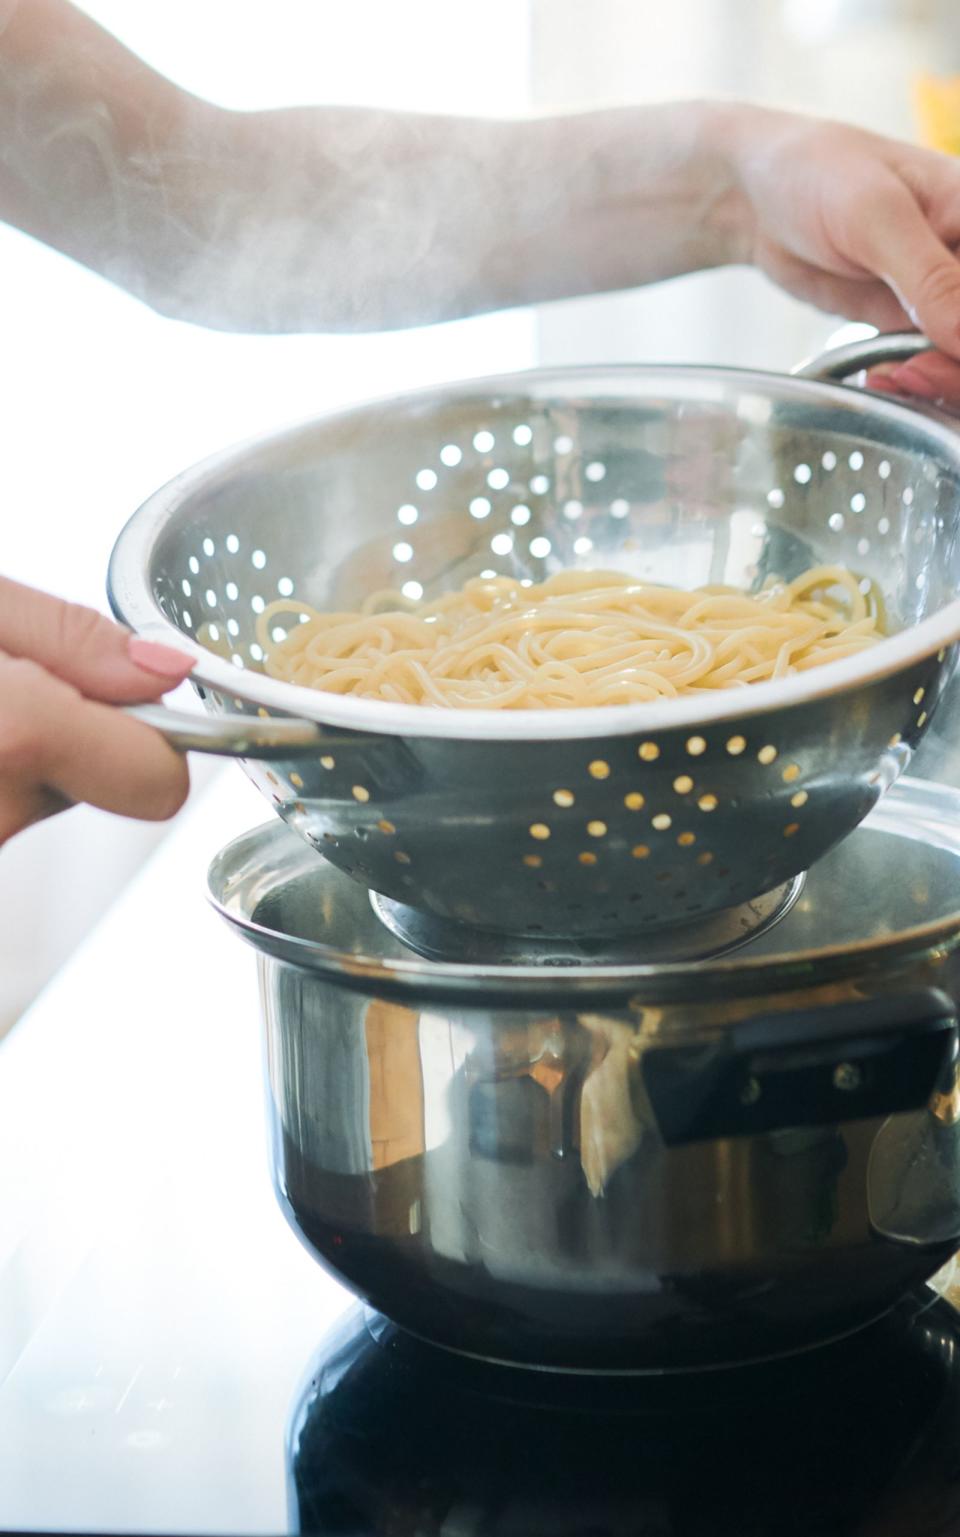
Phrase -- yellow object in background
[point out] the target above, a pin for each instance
(937, 99)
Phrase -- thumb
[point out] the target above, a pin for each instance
(896, 242)
(99, 658)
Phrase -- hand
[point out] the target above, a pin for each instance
(860, 226)
(929, 376)
(62, 669)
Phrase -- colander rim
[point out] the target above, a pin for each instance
(133, 602)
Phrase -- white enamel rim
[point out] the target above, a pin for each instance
(135, 605)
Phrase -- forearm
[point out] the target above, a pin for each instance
(354, 219)
(343, 218)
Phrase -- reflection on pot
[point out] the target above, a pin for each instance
(516, 1184)
(623, 1165)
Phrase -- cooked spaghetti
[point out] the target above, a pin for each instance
(581, 638)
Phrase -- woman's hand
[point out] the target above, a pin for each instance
(63, 668)
(860, 226)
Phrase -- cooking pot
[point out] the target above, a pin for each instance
(572, 1162)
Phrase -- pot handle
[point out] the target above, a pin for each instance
(233, 736)
(838, 363)
(806, 1067)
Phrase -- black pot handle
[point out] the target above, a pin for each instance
(807, 1067)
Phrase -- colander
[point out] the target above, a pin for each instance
(596, 822)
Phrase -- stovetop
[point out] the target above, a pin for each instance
(863, 1437)
(166, 1356)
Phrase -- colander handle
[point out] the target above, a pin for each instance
(853, 357)
(233, 736)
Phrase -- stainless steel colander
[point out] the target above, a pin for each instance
(571, 822)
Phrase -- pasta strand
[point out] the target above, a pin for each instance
(579, 639)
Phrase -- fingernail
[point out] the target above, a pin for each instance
(162, 660)
(881, 378)
(914, 382)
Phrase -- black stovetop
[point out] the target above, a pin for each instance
(391, 1436)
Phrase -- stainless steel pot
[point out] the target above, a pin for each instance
(626, 1166)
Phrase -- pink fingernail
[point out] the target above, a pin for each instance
(162, 660)
(914, 382)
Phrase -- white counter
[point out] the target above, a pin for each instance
(156, 1312)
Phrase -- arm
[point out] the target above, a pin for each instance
(354, 219)
(339, 218)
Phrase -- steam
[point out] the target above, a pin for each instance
(333, 219)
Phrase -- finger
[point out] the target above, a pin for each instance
(83, 750)
(22, 805)
(878, 380)
(897, 244)
(866, 299)
(100, 658)
(930, 376)
(870, 302)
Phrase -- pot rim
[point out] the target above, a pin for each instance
(274, 855)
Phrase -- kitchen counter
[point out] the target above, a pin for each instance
(156, 1312)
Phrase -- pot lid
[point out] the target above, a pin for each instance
(885, 897)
